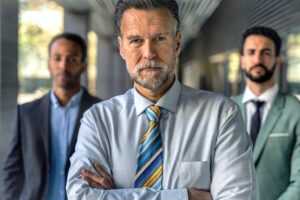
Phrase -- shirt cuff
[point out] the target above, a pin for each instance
(174, 194)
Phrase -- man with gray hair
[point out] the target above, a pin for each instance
(161, 139)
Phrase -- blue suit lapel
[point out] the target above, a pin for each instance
(43, 125)
(86, 102)
(271, 120)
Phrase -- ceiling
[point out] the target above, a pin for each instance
(193, 14)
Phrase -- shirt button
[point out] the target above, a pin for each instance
(61, 192)
(62, 172)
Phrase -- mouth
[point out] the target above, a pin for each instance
(63, 76)
(258, 66)
(258, 69)
(151, 69)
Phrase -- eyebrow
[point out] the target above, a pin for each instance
(129, 37)
(264, 49)
(155, 35)
(65, 54)
(267, 49)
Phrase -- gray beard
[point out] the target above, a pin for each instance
(154, 80)
(155, 84)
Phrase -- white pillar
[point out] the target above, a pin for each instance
(75, 22)
(112, 76)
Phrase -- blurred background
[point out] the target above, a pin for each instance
(209, 58)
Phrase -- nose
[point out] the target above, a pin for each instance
(63, 63)
(149, 51)
(258, 58)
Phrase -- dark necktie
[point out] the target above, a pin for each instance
(256, 121)
(150, 157)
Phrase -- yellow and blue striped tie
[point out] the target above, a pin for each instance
(150, 157)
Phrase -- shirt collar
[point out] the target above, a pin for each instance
(74, 101)
(167, 101)
(268, 96)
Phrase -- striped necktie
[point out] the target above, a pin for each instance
(150, 157)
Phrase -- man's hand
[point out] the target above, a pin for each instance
(195, 194)
(101, 180)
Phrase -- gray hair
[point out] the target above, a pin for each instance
(123, 5)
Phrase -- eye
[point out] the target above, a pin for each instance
(56, 58)
(267, 53)
(160, 38)
(136, 41)
(250, 52)
(73, 60)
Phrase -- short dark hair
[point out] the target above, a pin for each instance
(74, 38)
(123, 5)
(263, 31)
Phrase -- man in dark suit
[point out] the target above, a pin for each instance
(272, 117)
(45, 130)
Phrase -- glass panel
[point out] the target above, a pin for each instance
(92, 61)
(234, 77)
(293, 53)
(233, 67)
(39, 22)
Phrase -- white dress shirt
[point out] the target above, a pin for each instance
(268, 97)
(205, 146)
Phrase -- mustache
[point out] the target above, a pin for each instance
(259, 65)
(150, 64)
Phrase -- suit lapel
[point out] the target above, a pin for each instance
(85, 103)
(271, 120)
(44, 124)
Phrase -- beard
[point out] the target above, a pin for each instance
(262, 78)
(152, 80)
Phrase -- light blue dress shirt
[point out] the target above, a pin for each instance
(63, 121)
(205, 146)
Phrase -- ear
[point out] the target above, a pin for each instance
(83, 67)
(48, 62)
(178, 43)
(242, 61)
(278, 62)
(121, 50)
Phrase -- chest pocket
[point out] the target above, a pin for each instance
(194, 175)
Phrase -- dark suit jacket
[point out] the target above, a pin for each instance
(277, 150)
(27, 165)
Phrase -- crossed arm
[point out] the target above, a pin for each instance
(102, 180)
